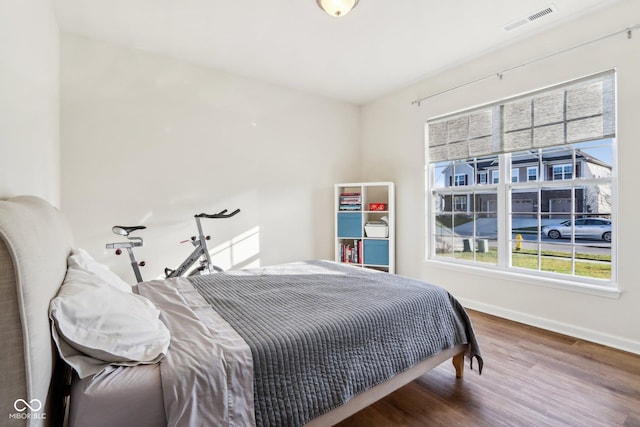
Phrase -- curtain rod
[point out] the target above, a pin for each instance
(499, 74)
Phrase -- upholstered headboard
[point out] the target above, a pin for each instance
(35, 241)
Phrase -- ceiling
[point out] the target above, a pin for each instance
(381, 46)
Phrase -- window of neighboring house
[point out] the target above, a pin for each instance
(460, 203)
(555, 226)
(561, 172)
(461, 179)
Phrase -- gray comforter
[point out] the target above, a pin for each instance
(320, 332)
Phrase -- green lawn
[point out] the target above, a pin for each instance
(587, 265)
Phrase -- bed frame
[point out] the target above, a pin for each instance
(35, 242)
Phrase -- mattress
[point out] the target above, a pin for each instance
(122, 396)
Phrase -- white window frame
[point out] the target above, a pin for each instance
(536, 170)
(503, 188)
(563, 172)
(456, 182)
(515, 174)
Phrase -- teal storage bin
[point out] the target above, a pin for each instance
(349, 224)
(376, 252)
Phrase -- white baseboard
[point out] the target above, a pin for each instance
(608, 340)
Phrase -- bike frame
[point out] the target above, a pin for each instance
(201, 252)
(133, 243)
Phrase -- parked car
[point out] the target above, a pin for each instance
(585, 228)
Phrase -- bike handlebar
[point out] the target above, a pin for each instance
(221, 214)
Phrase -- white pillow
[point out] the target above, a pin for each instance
(95, 325)
(81, 259)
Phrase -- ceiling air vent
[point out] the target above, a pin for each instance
(532, 17)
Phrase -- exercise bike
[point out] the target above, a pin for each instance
(200, 252)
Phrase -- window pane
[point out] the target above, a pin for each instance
(525, 227)
(465, 230)
(525, 224)
(440, 174)
(526, 164)
(463, 173)
(594, 267)
(595, 158)
(525, 201)
(487, 236)
(594, 199)
(443, 236)
(556, 258)
(556, 200)
(525, 253)
(486, 207)
(484, 166)
(460, 203)
(463, 225)
(556, 227)
(557, 163)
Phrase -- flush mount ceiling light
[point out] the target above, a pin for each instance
(337, 7)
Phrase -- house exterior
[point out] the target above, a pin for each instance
(551, 166)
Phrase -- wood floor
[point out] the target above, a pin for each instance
(531, 377)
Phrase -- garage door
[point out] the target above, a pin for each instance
(560, 205)
(521, 205)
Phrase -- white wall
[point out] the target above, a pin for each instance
(29, 111)
(393, 135)
(149, 140)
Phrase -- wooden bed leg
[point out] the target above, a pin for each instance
(458, 363)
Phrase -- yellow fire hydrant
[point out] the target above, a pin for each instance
(518, 242)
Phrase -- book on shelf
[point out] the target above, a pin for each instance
(350, 201)
(351, 253)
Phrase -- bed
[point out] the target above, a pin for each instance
(307, 343)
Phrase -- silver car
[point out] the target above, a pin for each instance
(585, 228)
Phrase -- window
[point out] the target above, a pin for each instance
(460, 203)
(461, 179)
(562, 172)
(482, 178)
(559, 222)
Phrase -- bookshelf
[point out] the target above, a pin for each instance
(365, 225)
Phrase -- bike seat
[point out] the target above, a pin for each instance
(124, 230)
